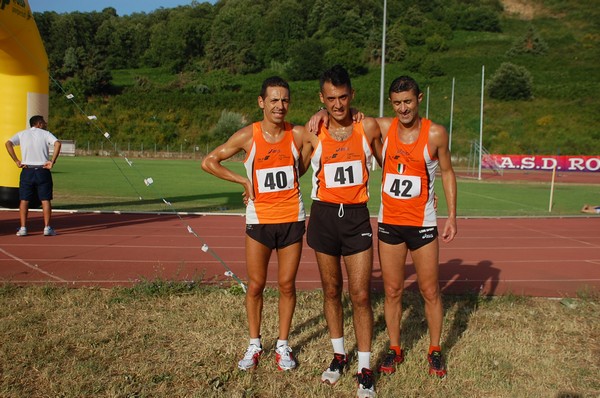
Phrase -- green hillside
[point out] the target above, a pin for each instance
(155, 107)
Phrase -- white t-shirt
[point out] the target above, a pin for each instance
(34, 143)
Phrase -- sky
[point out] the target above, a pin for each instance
(123, 7)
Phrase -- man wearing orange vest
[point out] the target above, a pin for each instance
(339, 224)
(274, 213)
(413, 149)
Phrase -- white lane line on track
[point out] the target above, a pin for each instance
(34, 267)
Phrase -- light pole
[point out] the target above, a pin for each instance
(382, 83)
(381, 89)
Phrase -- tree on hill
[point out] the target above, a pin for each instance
(530, 43)
(511, 82)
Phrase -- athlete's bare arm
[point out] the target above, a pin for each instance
(309, 143)
(373, 133)
(300, 136)
(438, 138)
(321, 116)
(239, 141)
(384, 126)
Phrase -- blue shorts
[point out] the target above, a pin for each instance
(35, 180)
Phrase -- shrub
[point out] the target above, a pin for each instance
(306, 61)
(228, 123)
(345, 53)
(474, 18)
(530, 43)
(413, 61)
(510, 82)
(396, 46)
(436, 43)
(431, 67)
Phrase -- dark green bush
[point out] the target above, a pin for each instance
(474, 18)
(436, 43)
(306, 61)
(346, 54)
(530, 43)
(510, 82)
(431, 67)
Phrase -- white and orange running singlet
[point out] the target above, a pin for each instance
(273, 171)
(341, 168)
(408, 176)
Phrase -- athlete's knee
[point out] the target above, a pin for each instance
(255, 288)
(332, 291)
(360, 298)
(287, 289)
(394, 293)
(430, 293)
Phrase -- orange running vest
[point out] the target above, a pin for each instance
(273, 171)
(341, 168)
(408, 176)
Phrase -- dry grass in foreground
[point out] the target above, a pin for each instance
(161, 339)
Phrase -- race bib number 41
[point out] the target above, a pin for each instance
(402, 187)
(343, 174)
(275, 179)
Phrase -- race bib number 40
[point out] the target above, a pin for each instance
(275, 179)
(343, 174)
(402, 187)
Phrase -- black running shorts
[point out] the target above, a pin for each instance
(414, 237)
(276, 236)
(339, 231)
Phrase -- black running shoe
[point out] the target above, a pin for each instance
(436, 364)
(391, 360)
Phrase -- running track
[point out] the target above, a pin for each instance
(548, 257)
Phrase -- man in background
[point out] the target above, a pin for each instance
(36, 178)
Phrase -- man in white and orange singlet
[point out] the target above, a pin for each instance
(413, 149)
(339, 224)
(274, 213)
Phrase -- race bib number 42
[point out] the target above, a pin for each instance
(402, 187)
(275, 179)
(343, 174)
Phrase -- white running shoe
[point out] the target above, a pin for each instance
(49, 231)
(285, 358)
(22, 231)
(366, 381)
(332, 374)
(250, 360)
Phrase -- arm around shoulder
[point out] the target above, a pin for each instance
(373, 133)
(309, 143)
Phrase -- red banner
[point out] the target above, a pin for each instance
(542, 162)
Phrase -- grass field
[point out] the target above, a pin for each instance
(171, 339)
(161, 339)
(100, 183)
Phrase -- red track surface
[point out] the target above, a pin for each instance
(552, 257)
